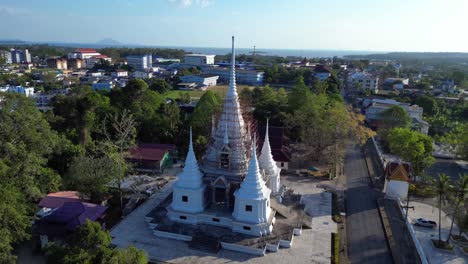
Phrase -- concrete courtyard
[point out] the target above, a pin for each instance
(313, 246)
(424, 235)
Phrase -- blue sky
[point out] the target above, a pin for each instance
(379, 25)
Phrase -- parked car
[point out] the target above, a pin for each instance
(425, 223)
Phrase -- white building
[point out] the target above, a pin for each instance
(143, 74)
(397, 183)
(26, 91)
(83, 54)
(199, 59)
(203, 80)
(249, 77)
(119, 73)
(140, 62)
(364, 81)
(91, 61)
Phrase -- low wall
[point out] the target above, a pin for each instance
(172, 235)
(244, 249)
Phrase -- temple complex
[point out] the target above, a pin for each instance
(232, 198)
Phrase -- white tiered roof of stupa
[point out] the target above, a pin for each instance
(190, 177)
(268, 165)
(253, 187)
(230, 123)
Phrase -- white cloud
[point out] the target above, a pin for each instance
(189, 3)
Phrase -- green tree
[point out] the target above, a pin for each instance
(442, 187)
(395, 116)
(90, 244)
(458, 139)
(300, 95)
(208, 107)
(460, 193)
(411, 146)
(26, 143)
(159, 85)
(91, 176)
(429, 104)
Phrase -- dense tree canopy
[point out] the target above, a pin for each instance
(411, 146)
(90, 244)
(26, 143)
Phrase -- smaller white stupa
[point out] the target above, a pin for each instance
(188, 195)
(252, 203)
(268, 165)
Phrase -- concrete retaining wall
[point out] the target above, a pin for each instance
(244, 249)
(172, 235)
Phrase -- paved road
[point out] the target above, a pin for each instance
(366, 239)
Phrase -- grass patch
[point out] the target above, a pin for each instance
(442, 244)
(422, 190)
(221, 90)
(335, 209)
(335, 248)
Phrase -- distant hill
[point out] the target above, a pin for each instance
(453, 57)
(11, 42)
(110, 42)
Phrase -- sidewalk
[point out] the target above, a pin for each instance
(424, 235)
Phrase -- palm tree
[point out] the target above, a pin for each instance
(461, 192)
(442, 187)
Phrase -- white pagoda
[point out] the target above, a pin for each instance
(227, 189)
(269, 167)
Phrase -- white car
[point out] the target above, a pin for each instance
(425, 223)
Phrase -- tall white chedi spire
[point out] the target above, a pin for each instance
(230, 125)
(190, 177)
(268, 164)
(253, 186)
(252, 203)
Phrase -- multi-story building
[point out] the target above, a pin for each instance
(375, 107)
(20, 56)
(91, 61)
(75, 63)
(250, 77)
(140, 62)
(6, 55)
(364, 81)
(83, 54)
(199, 59)
(57, 63)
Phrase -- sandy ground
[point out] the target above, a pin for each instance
(313, 246)
(424, 235)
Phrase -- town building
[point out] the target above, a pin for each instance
(103, 85)
(6, 55)
(250, 77)
(163, 60)
(202, 80)
(447, 86)
(26, 91)
(119, 73)
(152, 158)
(199, 59)
(75, 63)
(57, 63)
(83, 54)
(91, 61)
(374, 107)
(322, 72)
(43, 99)
(397, 179)
(396, 83)
(143, 74)
(364, 81)
(20, 56)
(140, 62)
